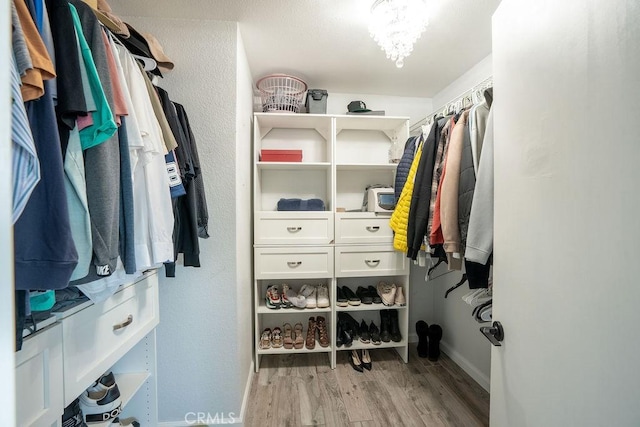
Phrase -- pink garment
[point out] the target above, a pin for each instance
(84, 121)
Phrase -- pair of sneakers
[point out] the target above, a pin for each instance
(309, 296)
(391, 294)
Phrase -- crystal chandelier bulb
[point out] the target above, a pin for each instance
(396, 25)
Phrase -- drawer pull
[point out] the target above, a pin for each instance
(124, 324)
(373, 229)
(372, 262)
(294, 264)
(293, 229)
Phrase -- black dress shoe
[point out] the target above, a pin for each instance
(435, 335)
(374, 334)
(351, 296)
(355, 361)
(385, 326)
(364, 332)
(366, 360)
(363, 294)
(422, 329)
(339, 334)
(394, 326)
(373, 292)
(341, 299)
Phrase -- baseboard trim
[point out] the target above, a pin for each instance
(466, 366)
(245, 398)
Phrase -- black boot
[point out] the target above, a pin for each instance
(385, 326)
(364, 333)
(435, 335)
(339, 334)
(347, 332)
(422, 329)
(394, 326)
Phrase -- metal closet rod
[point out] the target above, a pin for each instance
(458, 98)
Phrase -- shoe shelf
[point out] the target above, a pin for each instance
(128, 384)
(362, 346)
(263, 309)
(371, 307)
(282, 350)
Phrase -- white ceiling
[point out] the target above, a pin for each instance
(327, 42)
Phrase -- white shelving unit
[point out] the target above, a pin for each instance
(341, 245)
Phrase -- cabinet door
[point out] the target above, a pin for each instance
(39, 383)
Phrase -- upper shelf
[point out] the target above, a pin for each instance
(293, 165)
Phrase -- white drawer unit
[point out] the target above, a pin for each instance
(95, 338)
(39, 401)
(358, 261)
(293, 263)
(293, 228)
(363, 228)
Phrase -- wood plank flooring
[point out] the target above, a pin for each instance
(302, 390)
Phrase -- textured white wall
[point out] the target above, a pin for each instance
(7, 337)
(461, 337)
(244, 237)
(469, 79)
(198, 367)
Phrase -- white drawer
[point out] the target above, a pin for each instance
(294, 263)
(298, 228)
(380, 260)
(363, 227)
(39, 379)
(98, 336)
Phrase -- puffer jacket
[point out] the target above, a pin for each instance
(400, 217)
(402, 171)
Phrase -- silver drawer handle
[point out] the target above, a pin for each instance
(373, 229)
(294, 264)
(123, 324)
(372, 262)
(293, 229)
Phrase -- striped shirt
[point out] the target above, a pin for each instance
(24, 158)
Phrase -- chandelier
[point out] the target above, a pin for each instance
(396, 25)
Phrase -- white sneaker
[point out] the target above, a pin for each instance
(323, 296)
(400, 298)
(101, 406)
(387, 293)
(310, 293)
(295, 298)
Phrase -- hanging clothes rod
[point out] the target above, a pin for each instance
(459, 100)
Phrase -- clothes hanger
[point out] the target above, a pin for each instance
(434, 267)
(457, 285)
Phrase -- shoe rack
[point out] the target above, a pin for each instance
(340, 246)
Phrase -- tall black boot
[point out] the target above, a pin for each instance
(394, 326)
(422, 329)
(435, 335)
(385, 327)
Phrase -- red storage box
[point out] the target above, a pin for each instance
(281, 155)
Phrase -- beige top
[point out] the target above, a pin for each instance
(167, 135)
(449, 197)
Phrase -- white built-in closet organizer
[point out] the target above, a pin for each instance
(342, 155)
(56, 364)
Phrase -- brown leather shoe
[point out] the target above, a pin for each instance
(311, 334)
(322, 331)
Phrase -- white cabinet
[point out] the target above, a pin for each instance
(57, 364)
(338, 246)
(39, 383)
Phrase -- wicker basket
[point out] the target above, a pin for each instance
(280, 92)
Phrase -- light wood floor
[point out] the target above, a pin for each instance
(302, 390)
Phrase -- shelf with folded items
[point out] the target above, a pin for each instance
(128, 384)
(282, 350)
